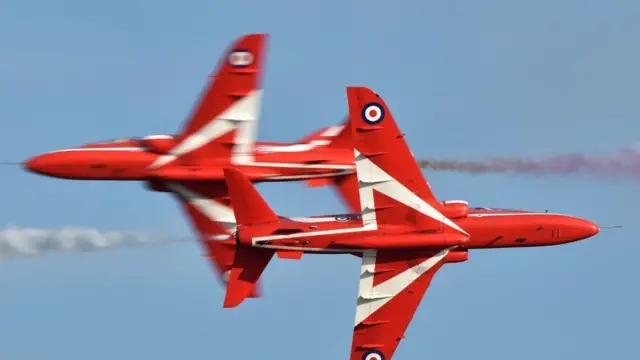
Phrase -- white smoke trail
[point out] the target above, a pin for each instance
(30, 242)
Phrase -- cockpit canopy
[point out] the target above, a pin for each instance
(160, 144)
(498, 210)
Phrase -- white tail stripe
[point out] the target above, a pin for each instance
(365, 187)
(247, 113)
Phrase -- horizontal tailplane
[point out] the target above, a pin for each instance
(248, 265)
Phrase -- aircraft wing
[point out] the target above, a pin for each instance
(392, 284)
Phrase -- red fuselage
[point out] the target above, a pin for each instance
(488, 228)
(131, 159)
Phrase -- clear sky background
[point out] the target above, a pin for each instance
(463, 79)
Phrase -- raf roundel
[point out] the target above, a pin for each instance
(373, 355)
(373, 113)
(240, 58)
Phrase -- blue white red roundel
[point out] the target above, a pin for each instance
(373, 113)
(373, 355)
(240, 58)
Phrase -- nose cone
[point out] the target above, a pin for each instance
(40, 164)
(583, 229)
(592, 229)
(54, 164)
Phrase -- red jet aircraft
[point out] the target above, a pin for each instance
(403, 234)
(220, 132)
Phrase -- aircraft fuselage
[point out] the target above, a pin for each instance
(488, 228)
(129, 160)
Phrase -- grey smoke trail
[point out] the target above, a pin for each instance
(623, 164)
(29, 242)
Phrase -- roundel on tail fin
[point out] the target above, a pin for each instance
(240, 58)
(373, 355)
(373, 113)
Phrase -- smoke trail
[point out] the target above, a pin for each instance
(624, 163)
(29, 242)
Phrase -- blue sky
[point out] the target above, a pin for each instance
(463, 79)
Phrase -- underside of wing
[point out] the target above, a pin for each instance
(392, 284)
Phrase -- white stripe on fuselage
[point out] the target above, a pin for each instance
(303, 177)
(512, 214)
(251, 163)
(289, 148)
(98, 149)
(344, 231)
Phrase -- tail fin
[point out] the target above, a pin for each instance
(391, 186)
(248, 206)
(223, 123)
(249, 262)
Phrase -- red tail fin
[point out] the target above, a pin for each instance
(392, 188)
(249, 262)
(223, 123)
(248, 206)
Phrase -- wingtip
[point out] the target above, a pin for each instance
(230, 303)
